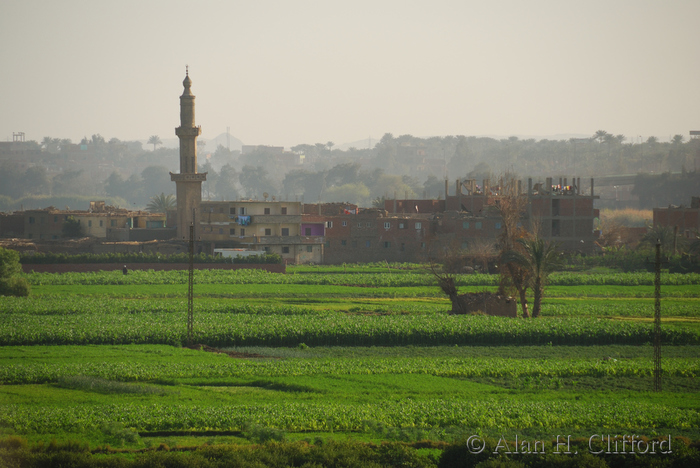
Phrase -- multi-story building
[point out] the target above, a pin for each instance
(270, 226)
(100, 221)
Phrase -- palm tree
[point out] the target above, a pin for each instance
(538, 258)
(161, 203)
(662, 234)
(154, 140)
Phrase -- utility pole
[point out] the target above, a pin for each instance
(657, 319)
(190, 290)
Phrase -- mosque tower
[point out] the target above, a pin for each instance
(188, 182)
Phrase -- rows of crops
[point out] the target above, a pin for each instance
(34, 373)
(294, 416)
(98, 305)
(357, 279)
(222, 330)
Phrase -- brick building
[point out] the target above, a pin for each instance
(685, 219)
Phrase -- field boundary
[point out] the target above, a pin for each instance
(91, 267)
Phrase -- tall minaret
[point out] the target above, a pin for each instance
(188, 182)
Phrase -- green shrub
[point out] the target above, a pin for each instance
(19, 287)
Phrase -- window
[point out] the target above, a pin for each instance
(345, 223)
(402, 225)
(387, 225)
(477, 225)
(359, 225)
(368, 244)
(465, 245)
(403, 247)
(327, 244)
(419, 225)
(221, 230)
(556, 228)
(90, 223)
(387, 244)
(100, 223)
(307, 231)
(369, 224)
(285, 250)
(31, 220)
(113, 222)
(309, 248)
(422, 245)
(285, 231)
(329, 224)
(284, 210)
(267, 249)
(465, 224)
(268, 231)
(242, 232)
(241, 210)
(232, 210)
(55, 219)
(267, 210)
(497, 225)
(232, 232)
(343, 242)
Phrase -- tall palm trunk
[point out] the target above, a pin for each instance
(537, 301)
(523, 302)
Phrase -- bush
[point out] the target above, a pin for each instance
(19, 287)
(10, 269)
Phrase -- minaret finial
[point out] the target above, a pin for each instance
(187, 70)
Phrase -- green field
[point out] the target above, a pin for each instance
(340, 353)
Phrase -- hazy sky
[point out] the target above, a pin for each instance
(290, 72)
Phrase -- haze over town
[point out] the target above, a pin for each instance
(284, 73)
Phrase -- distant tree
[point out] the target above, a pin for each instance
(652, 140)
(330, 146)
(154, 140)
(97, 139)
(661, 234)
(433, 187)
(154, 179)
(481, 172)
(255, 181)
(225, 187)
(72, 228)
(677, 139)
(341, 174)
(161, 203)
(36, 180)
(11, 284)
(600, 135)
(356, 193)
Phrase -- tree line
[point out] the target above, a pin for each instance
(129, 175)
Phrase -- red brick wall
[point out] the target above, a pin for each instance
(84, 267)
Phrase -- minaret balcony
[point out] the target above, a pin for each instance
(189, 177)
(188, 131)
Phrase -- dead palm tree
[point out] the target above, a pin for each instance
(538, 258)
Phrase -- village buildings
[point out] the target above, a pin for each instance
(408, 230)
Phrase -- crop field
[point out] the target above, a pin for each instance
(341, 353)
